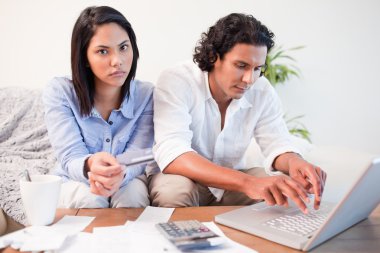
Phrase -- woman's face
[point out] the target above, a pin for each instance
(110, 55)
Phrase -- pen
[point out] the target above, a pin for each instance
(26, 175)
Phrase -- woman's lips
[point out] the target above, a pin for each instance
(117, 74)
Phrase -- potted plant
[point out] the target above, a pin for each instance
(280, 68)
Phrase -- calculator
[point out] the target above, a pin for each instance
(189, 234)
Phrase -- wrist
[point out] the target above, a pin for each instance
(247, 183)
(283, 162)
(87, 166)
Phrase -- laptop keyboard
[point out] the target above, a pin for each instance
(298, 223)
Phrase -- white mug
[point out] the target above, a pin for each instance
(40, 198)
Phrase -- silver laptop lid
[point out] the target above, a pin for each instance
(356, 205)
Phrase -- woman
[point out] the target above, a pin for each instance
(100, 113)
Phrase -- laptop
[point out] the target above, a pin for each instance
(290, 227)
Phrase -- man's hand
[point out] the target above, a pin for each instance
(105, 174)
(311, 177)
(276, 190)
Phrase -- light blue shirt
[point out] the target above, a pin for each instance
(74, 138)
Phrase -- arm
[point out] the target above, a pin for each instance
(64, 133)
(274, 139)
(66, 138)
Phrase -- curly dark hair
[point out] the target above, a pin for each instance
(225, 34)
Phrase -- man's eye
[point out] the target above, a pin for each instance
(102, 51)
(241, 66)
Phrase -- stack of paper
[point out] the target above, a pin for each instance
(139, 236)
(38, 238)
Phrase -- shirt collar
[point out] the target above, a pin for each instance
(126, 107)
(207, 86)
(242, 102)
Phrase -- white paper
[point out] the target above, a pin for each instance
(13, 239)
(140, 237)
(72, 224)
(155, 214)
(229, 246)
(39, 238)
(52, 237)
(42, 238)
(77, 243)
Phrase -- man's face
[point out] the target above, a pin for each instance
(233, 75)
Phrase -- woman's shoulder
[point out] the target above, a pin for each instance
(61, 83)
(59, 88)
(143, 88)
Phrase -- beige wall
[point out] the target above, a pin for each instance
(338, 92)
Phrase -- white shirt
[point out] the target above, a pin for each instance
(187, 118)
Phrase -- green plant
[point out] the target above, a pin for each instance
(280, 68)
(297, 128)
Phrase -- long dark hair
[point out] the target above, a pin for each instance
(84, 29)
(225, 34)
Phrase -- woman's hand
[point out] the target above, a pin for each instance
(276, 190)
(105, 174)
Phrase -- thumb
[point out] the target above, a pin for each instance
(109, 159)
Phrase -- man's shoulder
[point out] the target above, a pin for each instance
(185, 72)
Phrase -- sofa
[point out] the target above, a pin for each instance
(24, 144)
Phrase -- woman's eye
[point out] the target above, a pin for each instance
(123, 47)
(102, 51)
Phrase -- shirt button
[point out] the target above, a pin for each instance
(107, 140)
(110, 122)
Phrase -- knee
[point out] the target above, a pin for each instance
(3, 223)
(78, 195)
(92, 201)
(134, 194)
(173, 191)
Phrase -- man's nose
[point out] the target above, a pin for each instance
(248, 77)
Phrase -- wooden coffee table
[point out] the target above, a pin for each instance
(364, 237)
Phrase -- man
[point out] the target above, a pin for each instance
(205, 117)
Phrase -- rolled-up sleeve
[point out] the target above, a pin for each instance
(271, 132)
(172, 119)
(64, 132)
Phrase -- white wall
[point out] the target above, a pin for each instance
(338, 92)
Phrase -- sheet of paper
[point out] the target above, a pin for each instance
(13, 239)
(139, 237)
(78, 243)
(39, 238)
(72, 224)
(155, 214)
(140, 233)
(125, 239)
(52, 237)
(229, 246)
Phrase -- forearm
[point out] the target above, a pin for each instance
(281, 163)
(201, 170)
